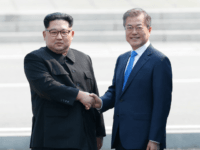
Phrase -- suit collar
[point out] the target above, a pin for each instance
(61, 58)
(70, 55)
(142, 60)
(122, 66)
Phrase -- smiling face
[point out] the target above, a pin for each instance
(58, 44)
(137, 33)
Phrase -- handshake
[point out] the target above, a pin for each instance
(89, 100)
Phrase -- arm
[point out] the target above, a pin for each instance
(162, 90)
(42, 83)
(108, 99)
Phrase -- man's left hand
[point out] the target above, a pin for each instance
(152, 146)
(99, 142)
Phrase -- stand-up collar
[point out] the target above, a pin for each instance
(61, 58)
(70, 55)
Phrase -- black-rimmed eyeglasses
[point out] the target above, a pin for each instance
(54, 32)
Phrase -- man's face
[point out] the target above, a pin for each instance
(58, 44)
(137, 33)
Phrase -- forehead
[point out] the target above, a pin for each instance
(58, 24)
(138, 20)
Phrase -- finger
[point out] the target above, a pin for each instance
(87, 106)
(91, 94)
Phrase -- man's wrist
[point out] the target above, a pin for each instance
(101, 104)
(80, 95)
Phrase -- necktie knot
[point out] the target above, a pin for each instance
(133, 54)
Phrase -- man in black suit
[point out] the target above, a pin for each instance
(60, 79)
(141, 89)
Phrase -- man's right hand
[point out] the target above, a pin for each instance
(85, 99)
(98, 101)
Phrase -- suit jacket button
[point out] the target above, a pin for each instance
(117, 115)
(121, 100)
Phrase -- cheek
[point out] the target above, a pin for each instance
(68, 40)
(127, 36)
(50, 41)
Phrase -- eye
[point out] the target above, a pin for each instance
(139, 28)
(53, 32)
(129, 28)
(65, 32)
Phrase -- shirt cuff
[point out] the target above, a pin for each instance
(154, 141)
(101, 104)
(87, 93)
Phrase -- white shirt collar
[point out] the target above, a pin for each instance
(141, 49)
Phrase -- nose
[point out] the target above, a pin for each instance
(59, 36)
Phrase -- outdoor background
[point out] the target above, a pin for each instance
(99, 33)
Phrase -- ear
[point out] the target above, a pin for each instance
(72, 34)
(44, 35)
(150, 28)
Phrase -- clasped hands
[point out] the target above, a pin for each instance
(89, 100)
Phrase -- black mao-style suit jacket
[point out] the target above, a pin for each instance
(59, 121)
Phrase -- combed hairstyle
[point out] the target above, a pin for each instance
(58, 16)
(136, 12)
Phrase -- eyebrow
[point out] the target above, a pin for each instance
(136, 25)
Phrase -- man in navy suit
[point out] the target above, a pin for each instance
(141, 89)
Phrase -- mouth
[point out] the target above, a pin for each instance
(134, 38)
(59, 43)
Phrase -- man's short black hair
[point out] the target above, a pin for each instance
(57, 16)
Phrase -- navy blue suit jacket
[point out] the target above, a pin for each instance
(142, 108)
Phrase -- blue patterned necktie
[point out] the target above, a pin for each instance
(129, 68)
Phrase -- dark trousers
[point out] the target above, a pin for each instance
(85, 147)
(51, 149)
(118, 144)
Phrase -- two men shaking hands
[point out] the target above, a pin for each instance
(89, 100)
(64, 91)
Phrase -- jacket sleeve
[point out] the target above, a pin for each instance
(108, 99)
(42, 82)
(162, 93)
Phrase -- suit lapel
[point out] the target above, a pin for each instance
(122, 69)
(142, 60)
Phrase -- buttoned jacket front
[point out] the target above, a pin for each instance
(142, 108)
(59, 121)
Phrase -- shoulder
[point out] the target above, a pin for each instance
(39, 53)
(158, 56)
(124, 54)
(80, 55)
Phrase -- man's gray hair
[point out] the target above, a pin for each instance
(136, 12)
